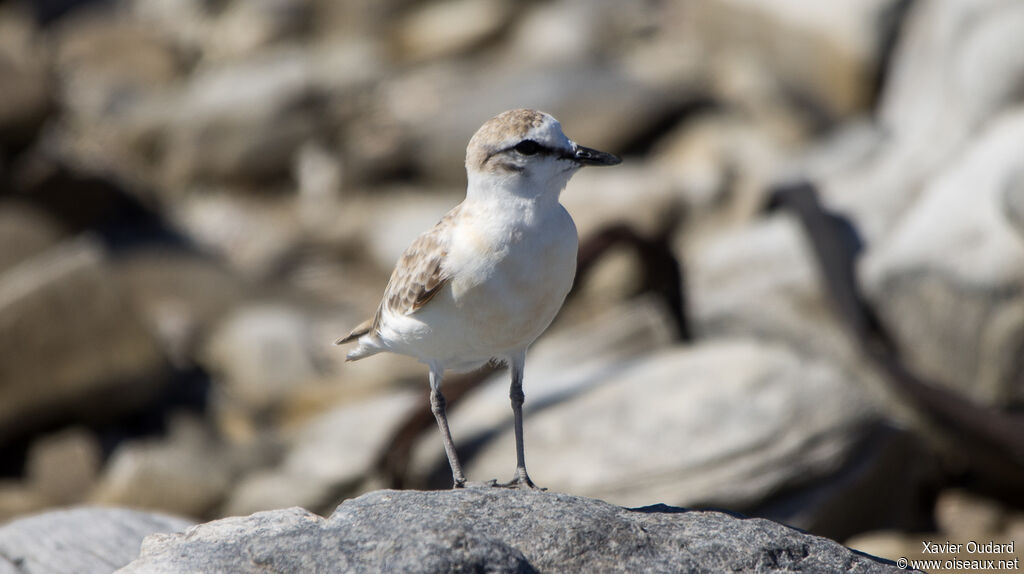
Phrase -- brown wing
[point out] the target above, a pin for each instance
(420, 273)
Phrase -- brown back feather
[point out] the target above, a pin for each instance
(417, 278)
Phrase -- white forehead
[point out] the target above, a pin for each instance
(549, 133)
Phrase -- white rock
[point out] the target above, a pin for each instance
(956, 66)
(947, 279)
(84, 540)
(723, 423)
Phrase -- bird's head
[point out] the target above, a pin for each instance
(524, 152)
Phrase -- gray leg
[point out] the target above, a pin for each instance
(437, 406)
(522, 479)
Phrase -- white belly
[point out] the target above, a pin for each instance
(502, 296)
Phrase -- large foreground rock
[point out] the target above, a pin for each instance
(81, 540)
(494, 530)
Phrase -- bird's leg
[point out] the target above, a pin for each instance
(522, 479)
(437, 406)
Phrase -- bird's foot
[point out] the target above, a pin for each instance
(521, 481)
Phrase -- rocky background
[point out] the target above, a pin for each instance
(801, 295)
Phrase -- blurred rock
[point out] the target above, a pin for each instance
(83, 540)
(106, 63)
(329, 458)
(188, 472)
(886, 544)
(723, 164)
(242, 121)
(1013, 202)
(823, 55)
(64, 466)
(249, 26)
(24, 232)
(184, 21)
(318, 175)
(261, 353)
(955, 67)
(639, 195)
(389, 224)
(19, 499)
(253, 235)
(25, 100)
(439, 29)
(761, 280)
(180, 294)
(442, 106)
(879, 485)
(496, 530)
(714, 425)
(952, 299)
(69, 347)
(556, 32)
(962, 514)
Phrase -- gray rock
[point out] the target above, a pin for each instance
(83, 540)
(69, 347)
(952, 297)
(494, 530)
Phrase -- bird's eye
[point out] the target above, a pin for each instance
(527, 147)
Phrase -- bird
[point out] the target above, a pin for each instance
(483, 283)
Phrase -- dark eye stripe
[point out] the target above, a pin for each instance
(527, 148)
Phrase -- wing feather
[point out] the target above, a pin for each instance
(420, 273)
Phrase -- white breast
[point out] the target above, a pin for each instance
(510, 278)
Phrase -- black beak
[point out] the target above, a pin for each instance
(588, 156)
